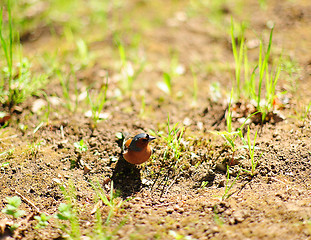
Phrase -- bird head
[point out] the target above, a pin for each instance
(139, 142)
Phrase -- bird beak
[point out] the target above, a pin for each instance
(151, 138)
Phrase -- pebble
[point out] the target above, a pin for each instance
(170, 210)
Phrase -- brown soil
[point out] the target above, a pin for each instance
(159, 199)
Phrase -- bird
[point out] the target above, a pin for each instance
(137, 149)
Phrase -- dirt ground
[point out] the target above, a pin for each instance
(161, 202)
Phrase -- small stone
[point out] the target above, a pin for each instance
(86, 168)
(169, 210)
(58, 181)
(37, 105)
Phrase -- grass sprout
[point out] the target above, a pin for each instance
(7, 47)
(69, 212)
(130, 69)
(83, 52)
(98, 103)
(238, 55)
(228, 187)
(251, 151)
(263, 74)
(173, 141)
(229, 135)
(175, 70)
(18, 83)
(108, 201)
(166, 85)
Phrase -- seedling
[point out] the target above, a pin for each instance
(143, 104)
(34, 148)
(80, 146)
(43, 220)
(65, 212)
(15, 86)
(12, 209)
(217, 219)
(83, 52)
(307, 112)
(178, 236)
(98, 103)
(7, 47)
(176, 69)
(261, 72)
(238, 56)
(166, 85)
(68, 212)
(251, 151)
(65, 88)
(130, 69)
(229, 135)
(228, 187)
(173, 141)
(110, 202)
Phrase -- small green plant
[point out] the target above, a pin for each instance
(80, 146)
(143, 104)
(263, 74)
(217, 219)
(17, 82)
(166, 85)
(66, 92)
(251, 151)
(83, 52)
(238, 56)
(307, 112)
(262, 3)
(12, 209)
(228, 187)
(129, 69)
(178, 236)
(229, 135)
(34, 148)
(7, 47)
(110, 202)
(173, 141)
(68, 212)
(176, 69)
(4, 165)
(43, 220)
(271, 79)
(98, 103)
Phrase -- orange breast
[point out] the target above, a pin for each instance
(138, 157)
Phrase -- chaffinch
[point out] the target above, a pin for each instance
(137, 149)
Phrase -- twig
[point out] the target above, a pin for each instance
(27, 201)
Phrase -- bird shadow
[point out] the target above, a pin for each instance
(126, 178)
